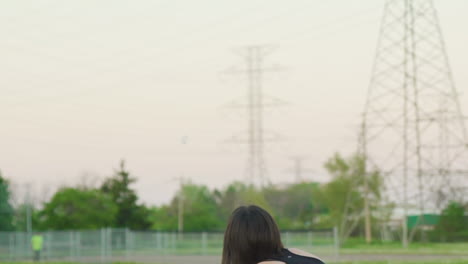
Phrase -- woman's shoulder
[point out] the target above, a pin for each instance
(293, 251)
(303, 253)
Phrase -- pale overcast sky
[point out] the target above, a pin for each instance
(86, 83)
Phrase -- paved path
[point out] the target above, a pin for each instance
(341, 258)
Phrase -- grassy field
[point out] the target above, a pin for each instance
(354, 252)
(360, 247)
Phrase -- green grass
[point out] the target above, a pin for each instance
(455, 251)
(360, 247)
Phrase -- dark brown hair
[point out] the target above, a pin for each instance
(251, 236)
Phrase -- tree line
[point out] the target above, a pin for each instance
(299, 206)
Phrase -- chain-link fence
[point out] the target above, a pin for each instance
(108, 244)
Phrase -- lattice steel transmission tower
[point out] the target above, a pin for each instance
(413, 129)
(298, 168)
(255, 103)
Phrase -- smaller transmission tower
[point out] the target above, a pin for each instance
(298, 168)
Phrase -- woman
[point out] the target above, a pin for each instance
(252, 237)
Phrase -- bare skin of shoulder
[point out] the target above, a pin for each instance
(295, 251)
(303, 253)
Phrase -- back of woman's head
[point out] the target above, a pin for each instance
(251, 236)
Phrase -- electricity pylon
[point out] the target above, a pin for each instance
(255, 103)
(413, 129)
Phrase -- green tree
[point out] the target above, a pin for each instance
(129, 213)
(6, 210)
(297, 206)
(344, 194)
(72, 208)
(453, 222)
(200, 211)
(163, 218)
(237, 194)
(20, 217)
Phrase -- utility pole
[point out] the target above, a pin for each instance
(28, 210)
(180, 209)
(367, 211)
(181, 198)
(368, 229)
(414, 132)
(367, 216)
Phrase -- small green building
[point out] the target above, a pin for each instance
(427, 221)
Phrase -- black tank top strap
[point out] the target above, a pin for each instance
(290, 258)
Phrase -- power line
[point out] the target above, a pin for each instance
(196, 31)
